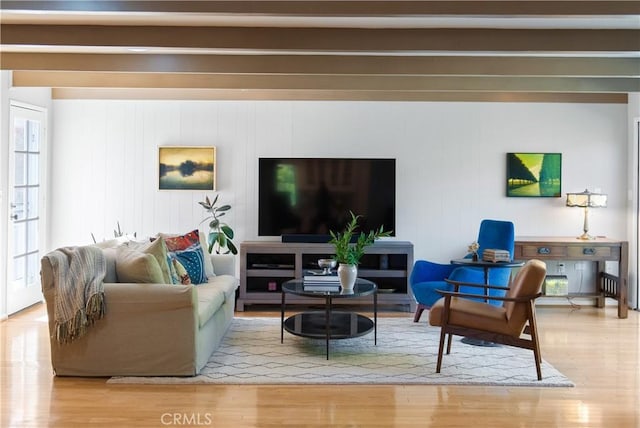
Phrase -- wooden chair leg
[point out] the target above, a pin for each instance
(440, 350)
(449, 343)
(533, 330)
(419, 309)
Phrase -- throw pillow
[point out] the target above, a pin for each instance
(158, 249)
(193, 261)
(135, 266)
(181, 242)
(181, 272)
(190, 240)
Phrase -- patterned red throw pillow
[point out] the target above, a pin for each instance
(182, 242)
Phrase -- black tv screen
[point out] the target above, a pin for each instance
(308, 197)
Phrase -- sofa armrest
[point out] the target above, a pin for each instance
(224, 264)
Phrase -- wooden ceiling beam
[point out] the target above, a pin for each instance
(336, 8)
(325, 64)
(322, 82)
(325, 39)
(306, 95)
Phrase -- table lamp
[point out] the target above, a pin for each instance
(586, 200)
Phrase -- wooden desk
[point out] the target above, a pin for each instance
(598, 250)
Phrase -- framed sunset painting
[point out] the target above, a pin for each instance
(187, 168)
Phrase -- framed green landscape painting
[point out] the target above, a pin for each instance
(534, 175)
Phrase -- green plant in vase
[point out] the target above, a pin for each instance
(220, 233)
(348, 253)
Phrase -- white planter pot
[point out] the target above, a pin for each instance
(347, 275)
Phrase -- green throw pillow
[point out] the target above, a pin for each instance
(158, 249)
(135, 266)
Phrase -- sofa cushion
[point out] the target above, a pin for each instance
(227, 283)
(210, 299)
(135, 266)
(110, 257)
(158, 249)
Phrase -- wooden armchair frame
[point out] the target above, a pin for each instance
(529, 327)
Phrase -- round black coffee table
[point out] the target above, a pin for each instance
(329, 324)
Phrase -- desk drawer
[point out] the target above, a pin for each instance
(542, 251)
(587, 252)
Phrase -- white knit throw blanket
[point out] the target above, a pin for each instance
(79, 298)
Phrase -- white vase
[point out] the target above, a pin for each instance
(347, 275)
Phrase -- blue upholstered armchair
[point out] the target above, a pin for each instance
(427, 277)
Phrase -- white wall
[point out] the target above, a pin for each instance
(451, 163)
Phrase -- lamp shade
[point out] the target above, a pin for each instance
(587, 199)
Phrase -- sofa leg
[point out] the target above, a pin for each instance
(419, 309)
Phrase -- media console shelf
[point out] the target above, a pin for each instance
(265, 265)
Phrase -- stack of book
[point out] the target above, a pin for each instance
(493, 255)
(318, 282)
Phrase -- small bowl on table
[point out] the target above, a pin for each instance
(326, 265)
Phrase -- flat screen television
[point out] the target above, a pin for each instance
(302, 199)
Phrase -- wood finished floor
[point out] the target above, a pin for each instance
(597, 351)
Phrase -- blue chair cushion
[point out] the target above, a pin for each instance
(426, 294)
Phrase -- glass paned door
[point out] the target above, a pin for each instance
(27, 136)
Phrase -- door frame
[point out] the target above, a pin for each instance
(6, 192)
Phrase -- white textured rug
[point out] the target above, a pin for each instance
(406, 353)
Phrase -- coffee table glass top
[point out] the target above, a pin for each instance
(362, 287)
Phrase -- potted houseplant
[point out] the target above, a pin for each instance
(220, 234)
(348, 253)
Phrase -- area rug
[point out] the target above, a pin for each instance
(406, 353)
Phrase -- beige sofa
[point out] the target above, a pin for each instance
(148, 329)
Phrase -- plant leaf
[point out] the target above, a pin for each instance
(213, 237)
(232, 247)
(222, 240)
(214, 223)
(223, 208)
(227, 231)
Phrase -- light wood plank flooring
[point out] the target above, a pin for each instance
(595, 349)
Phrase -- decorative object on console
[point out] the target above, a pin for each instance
(187, 168)
(220, 234)
(586, 200)
(348, 255)
(473, 250)
(534, 174)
